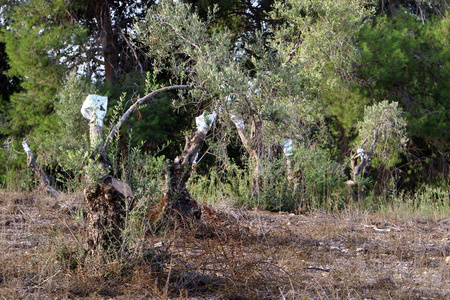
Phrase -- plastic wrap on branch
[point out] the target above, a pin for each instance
(94, 109)
(239, 123)
(287, 147)
(26, 147)
(195, 159)
(362, 153)
(359, 161)
(204, 122)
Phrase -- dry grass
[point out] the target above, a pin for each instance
(230, 254)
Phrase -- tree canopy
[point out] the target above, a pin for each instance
(320, 73)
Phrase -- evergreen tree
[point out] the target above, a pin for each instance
(45, 39)
(320, 36)
(406, 60)
(41, 42)
(8, 86)
(110, 48)
(240, 17)
(422, 9)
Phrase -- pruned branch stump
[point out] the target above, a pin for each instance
(48, 182)
(106, 206)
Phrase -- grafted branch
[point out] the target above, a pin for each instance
(181, 168)
(360, 160)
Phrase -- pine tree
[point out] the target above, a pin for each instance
(8, 86)
(41, 42)
(46, 39)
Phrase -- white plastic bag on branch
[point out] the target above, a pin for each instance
(362, 153)
(26, 147)
(239, 123)
(204, 122)
(94, 109)
(287, 147)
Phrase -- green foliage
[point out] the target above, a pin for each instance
(384, 128)
(144, 172)
(319, 178)
(71, 123)
(231, 186)
(246, 78)
(320, 36)
(39, 37)
(434, 199)
(276, 193)
(317, 184)
(407, 61)
(8, 85)
(306, 74)
(14, 175)
(427, 201)
(322, 33)
(230, 14)
(65, 149)
(157, 121)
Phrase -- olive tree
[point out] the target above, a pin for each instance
(383, 135)
(320, 35)
(245, 80)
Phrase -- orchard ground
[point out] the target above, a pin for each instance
(229, 254)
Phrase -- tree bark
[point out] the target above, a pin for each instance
(106, 207)
(359, 163)
(108, 201)
(253, 144)
(180, 203)
(107, 40)
(45, 180)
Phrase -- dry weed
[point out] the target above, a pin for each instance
(229, 254)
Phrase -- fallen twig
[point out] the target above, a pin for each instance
(326, 269)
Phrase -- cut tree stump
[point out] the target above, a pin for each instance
(106, 206)
(108, 201)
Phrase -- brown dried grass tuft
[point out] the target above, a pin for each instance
(229, 254)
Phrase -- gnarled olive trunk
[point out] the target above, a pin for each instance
(180, 203)
(252, 141)
(106, 206)
(106, 201)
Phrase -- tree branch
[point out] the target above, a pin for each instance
(39, 171)
(139, 101)
(132, 49)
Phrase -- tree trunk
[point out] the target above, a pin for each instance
(107, 201)
(253, 144)
(106, 207)
(180, 203)
(107, 40)
(359, 162)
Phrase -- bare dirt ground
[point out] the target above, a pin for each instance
(230, 254)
